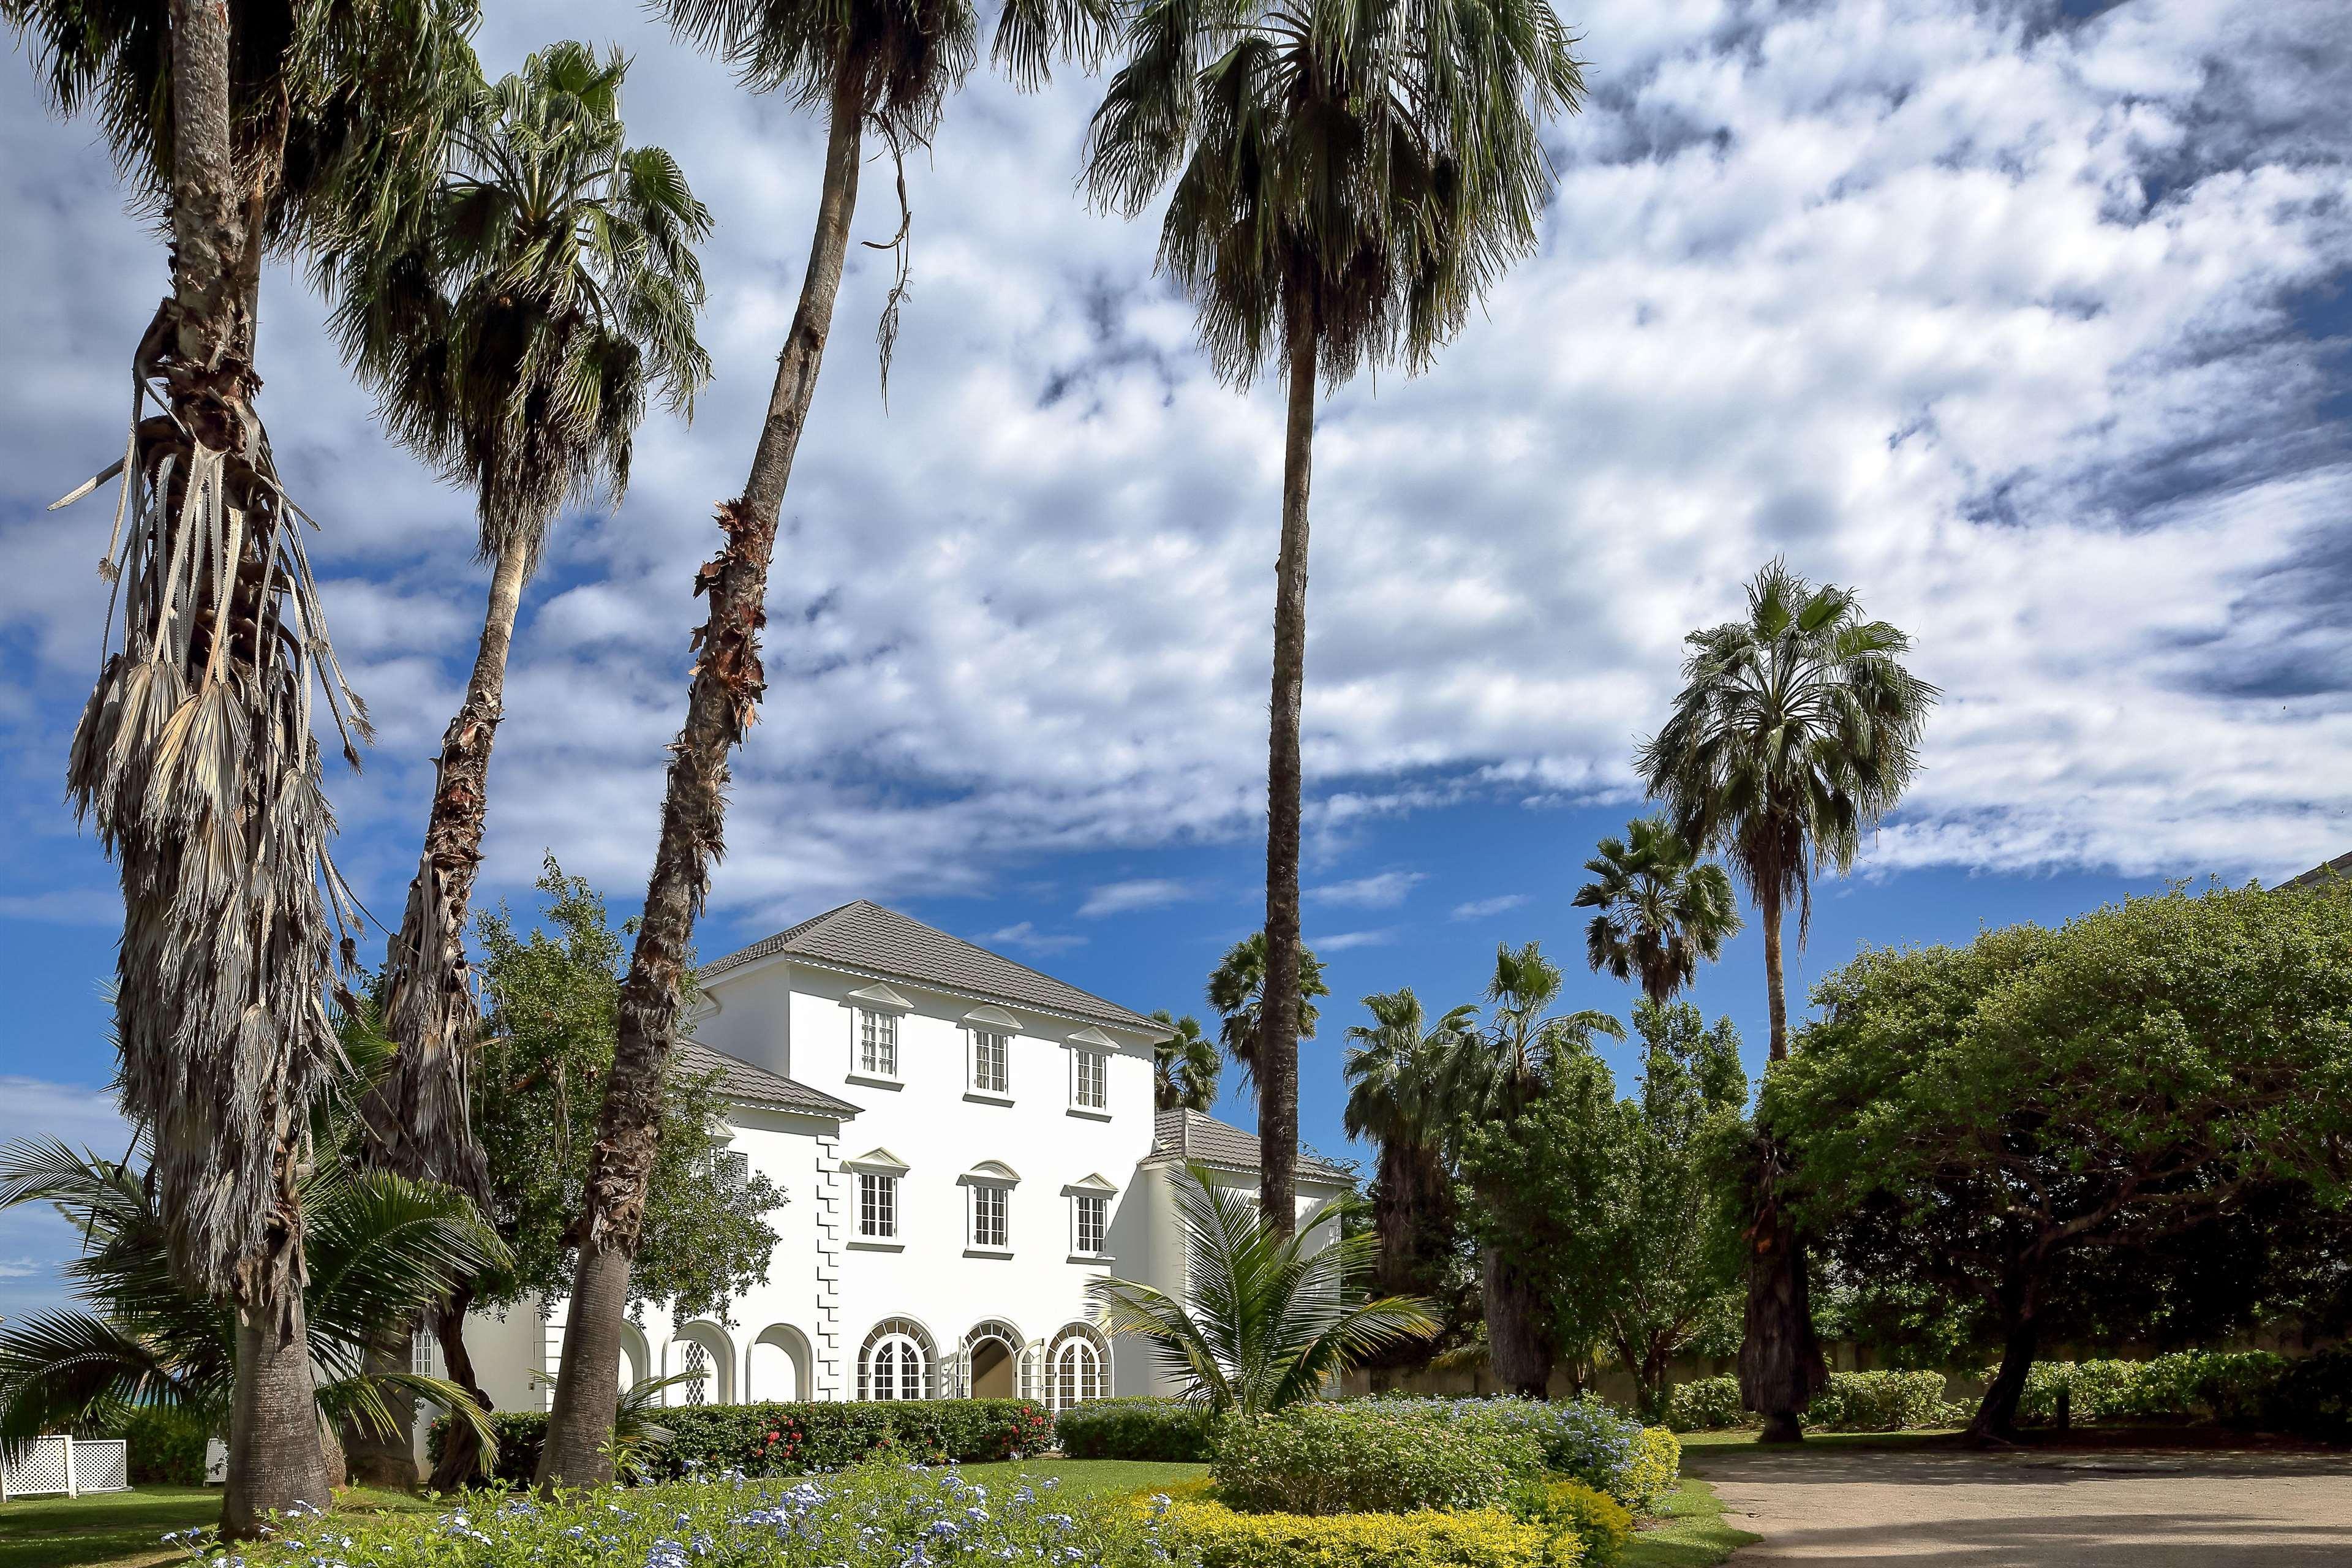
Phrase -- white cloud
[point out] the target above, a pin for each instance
(65, 906)
(1988, 314)
(1385, 890)
(1480, 909)
(18, 1269)
(1341, 941)
(1029, 939)
(1144, 893)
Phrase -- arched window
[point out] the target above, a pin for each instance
(896, 1362)
(989, 1364)
(1076, 1368)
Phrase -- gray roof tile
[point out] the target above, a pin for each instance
(864, 938)
(1192, 1135)
(742, 1081)
(2319, 875)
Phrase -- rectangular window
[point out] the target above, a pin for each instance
(1094, 1222)
(988, 1062)
(1090, 1090)
(878, 1044)
(877, 1206)
(988, 1216)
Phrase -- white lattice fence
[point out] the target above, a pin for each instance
(48, 1467)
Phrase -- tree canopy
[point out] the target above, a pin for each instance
(2067, 1128)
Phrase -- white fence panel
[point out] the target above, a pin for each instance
(53, 1466)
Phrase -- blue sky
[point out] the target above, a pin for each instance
(2026, 320)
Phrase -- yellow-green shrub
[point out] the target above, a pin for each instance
(1657, 1462)
(1572, 1508)
(1213, 1536)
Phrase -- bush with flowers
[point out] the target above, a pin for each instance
(884, 1514)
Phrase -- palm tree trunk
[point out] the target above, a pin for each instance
(275, 1457)
(1780, 1362)
(1278, 1051)
(374, 1456)
(461, 1453)
(727, 682)
(1516, 1345)
(1776, 989)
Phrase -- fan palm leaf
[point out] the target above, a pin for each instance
(1660, 910)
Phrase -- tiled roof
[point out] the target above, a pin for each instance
(864, 938)
(740, 1081)
(2341, 866)
(1191, 1135)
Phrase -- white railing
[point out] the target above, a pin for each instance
(58, 1466)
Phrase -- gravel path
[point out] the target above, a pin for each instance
(2111, 1509)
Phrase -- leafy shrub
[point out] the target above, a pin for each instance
(163, 1447)
(1582, 1440)
(1657, 1464)
(1880, 1402)
(1210, 1535)
(780, 1439)
(1173, 1430)
(1572, 1508)
(880, 1515)
(2312, 1396)
(2234, 1387)
(1368, 1457)
(1706, 1405)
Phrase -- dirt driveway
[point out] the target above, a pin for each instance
(2111, 1509)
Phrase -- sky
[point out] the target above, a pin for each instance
(2027, 321)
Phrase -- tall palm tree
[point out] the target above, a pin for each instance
(1269, 1317)
(1396, 1069)
(1492, 1076)
(1797, 727)
(1184, 1066)
(512, 333)
(1348, 176)
(1237, 991)
(878, 62)
(1662, 909)
(248, 128)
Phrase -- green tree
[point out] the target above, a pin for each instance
(1662, 909)
(892, 65)
(1237, 991)
(1395, 1069)
(1492, 1076)
(1797, 727)
(1273, 1315)
(512, 330)
(245, 129)
(1346, 179)
(379, 1246)
(554, 1024)
(2062, 1127)
(1184, 1066)
(1610, 1206)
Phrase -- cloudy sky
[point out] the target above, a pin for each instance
(2027, 320)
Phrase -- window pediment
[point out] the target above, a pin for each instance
(994, 1173)
(878, 1162)
(1092, 1186)
(1094, 1039)
(993, 1017)
(881, 998)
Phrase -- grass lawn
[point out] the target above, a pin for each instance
(1692, 1534)
(119, 1530)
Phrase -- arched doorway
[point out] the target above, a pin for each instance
(702, 1351)
(897, 1362)
(992, 1361)
(777, 1366)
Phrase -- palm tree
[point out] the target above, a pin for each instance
(1348, 175)
(536, 298)
(1396, 1069)
(861, 61)
(1797, 727)
(379, 1246)
(1184, 1066)
(1272, 1317)
(246, 128)
(1662, 909)
(1492, 1076)
(1237, 991)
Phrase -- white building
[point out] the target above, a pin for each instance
(964, 1143)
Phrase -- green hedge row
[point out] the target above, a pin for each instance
(1168, 1430)
(1850, 1402)
(163, 1447)
(780, 1439)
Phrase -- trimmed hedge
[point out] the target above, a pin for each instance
(1360, 1458)
(1582, 1440)
(1600, 1521)
(780, 1439)
(1171, 1430)
(1210, 1535)
(1848, 1402)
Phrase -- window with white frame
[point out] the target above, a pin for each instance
(991, 1208)
(877, 1043)
(1090, 1223)
(990, 1051)
(877, 1205)
(896, 1362)
(1076, 1370)
(1089, 1078)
